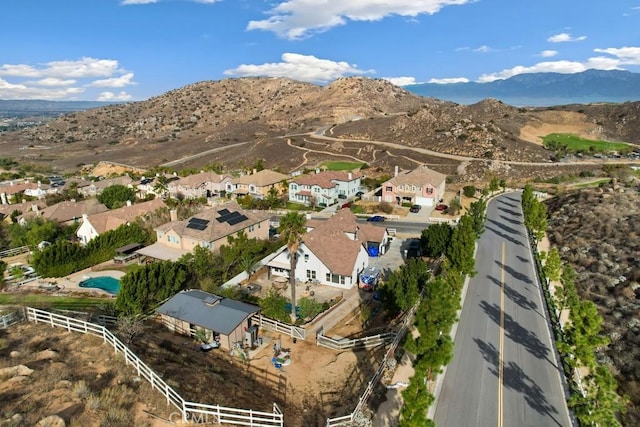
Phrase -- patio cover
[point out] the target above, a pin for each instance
(162, 252)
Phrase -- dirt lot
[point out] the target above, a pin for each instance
(83, 382)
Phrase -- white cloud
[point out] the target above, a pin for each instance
(548, 53)
(21, 91)
(483, 49)
(565, 37)
(84, 67)
(305, 68)
(110, 96)
(618, 58)
(61, 79)
(449, 80)
(54, 81)
(297, 19)
(402, 81)
(121, 81)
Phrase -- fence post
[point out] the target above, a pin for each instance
(51, 320)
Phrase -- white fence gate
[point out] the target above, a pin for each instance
(284, 328)
(191, 411)
(11, 319)
(345, 343)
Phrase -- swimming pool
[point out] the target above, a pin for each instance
(105, 283)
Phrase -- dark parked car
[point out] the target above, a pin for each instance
(376, 218)
(415, 208)
(442, 207)
(359, 194)
(415, 249)
(342, 196)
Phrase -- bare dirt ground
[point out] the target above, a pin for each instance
(74, 377)
(557, 122)
(82, 381)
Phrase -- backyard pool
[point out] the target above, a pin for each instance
(106, 283)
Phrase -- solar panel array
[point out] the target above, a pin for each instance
(197, 223)
(231, 218)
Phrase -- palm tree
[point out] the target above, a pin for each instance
(292, 228)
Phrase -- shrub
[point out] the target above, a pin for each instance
(385, 207)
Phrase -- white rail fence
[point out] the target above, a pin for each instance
(345, 343)
(347, 420)
(284, 328)
(15, 251)
(190, 411)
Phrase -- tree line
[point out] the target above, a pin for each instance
(595, 402)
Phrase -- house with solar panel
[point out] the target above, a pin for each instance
(209, 229)
(226, 322)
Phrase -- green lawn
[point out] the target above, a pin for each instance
(343, 166)
(575, 144)
(48, 301)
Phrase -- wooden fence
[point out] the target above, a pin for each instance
(190, 411)
(11, 319)
(345, 343)
(284, 328)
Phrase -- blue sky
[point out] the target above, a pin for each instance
(126, 50)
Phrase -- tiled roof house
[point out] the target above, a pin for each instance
(204, 184)
(96, 224)
(334, 251)
(421, 186)
(323, 188)
(258, 184)
(209, 229)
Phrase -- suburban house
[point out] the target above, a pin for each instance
(209, 229)
(324, 188)
(333, 252)
(65, 213)
(13, 191)
(7, 210)
(96, 224)
(258, 184)
(421, 186)
(96, 187)
(203, 184)
(224, 320)
(39, 190)
(149, 185)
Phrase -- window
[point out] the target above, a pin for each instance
(388, 188)
(429, 190)
(294, 187)
(251, 228)
(311, 274)
(306, 257)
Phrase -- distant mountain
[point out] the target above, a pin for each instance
(37, 106)
(541, 89)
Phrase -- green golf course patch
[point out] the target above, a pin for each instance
(574, 144)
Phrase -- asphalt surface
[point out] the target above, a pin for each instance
(504, 370)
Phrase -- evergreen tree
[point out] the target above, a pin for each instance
(435, 239)
(477, 212)
(460, 251)
(553, 265)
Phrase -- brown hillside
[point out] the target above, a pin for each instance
(597, 231)
(236, 121)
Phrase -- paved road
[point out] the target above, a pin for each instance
(504, 371)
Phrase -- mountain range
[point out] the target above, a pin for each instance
(541, 89)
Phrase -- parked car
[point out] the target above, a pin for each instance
(342, 196)
(359, 194)
(415, 249)
(210, 346)
(442, 207)
(346, 205)
(415, 208)
(376, 218)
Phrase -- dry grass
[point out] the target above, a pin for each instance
(597, 231)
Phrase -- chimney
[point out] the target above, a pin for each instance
(34, 208)
(396, 171)
(85, 217)
(128, 202)
(255, 171)
(173, 214)
(350, 176)
(355, 237)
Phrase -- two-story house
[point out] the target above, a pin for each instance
(96, 187)
(258, 184)
(208, 229)
(65, 213)
(324, 188)
(333, 252)
(203, 184)
(421, 186)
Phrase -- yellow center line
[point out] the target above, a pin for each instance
(500, 352)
